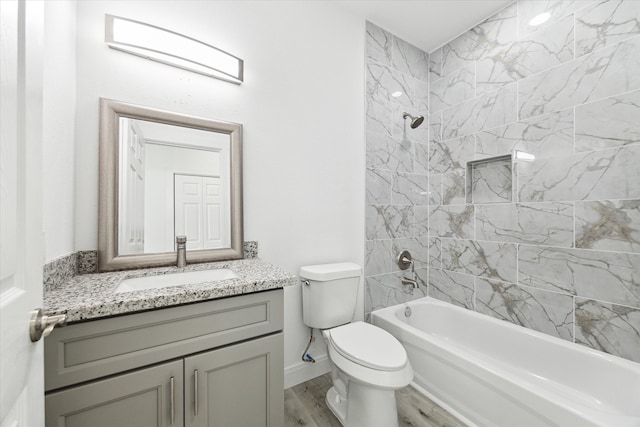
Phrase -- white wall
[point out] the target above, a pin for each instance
(302, 107)
(161, 163)
(59, 87)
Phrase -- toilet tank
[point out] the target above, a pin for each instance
(329, 294)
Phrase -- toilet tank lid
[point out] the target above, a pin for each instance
(324, 272)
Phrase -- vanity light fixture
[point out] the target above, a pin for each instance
(171, 48)
(540, 19)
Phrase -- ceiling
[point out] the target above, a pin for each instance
(426, 24)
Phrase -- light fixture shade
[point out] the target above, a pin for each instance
(171, 48)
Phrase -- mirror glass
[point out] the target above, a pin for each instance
(172, 183)
(167, 175)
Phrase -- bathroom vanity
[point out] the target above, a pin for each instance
(168, 346)
(188, 355)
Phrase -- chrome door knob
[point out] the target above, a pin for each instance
(41, 325)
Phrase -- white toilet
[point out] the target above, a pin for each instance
(367, 362)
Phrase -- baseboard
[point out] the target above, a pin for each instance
(304, 371)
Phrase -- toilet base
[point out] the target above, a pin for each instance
(364, 406)
(337, 405)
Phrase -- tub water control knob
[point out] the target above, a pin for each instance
(405, 260)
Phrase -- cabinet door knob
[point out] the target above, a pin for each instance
(195, 392)
(173, 399)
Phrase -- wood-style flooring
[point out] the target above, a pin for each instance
(304, 405)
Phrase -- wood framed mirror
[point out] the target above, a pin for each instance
(165, 174)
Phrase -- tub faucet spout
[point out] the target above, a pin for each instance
(406, 281)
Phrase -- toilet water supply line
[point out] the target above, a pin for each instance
(306, 357)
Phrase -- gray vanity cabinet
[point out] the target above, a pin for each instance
(141, 398)
(240, 385)
(139, 369)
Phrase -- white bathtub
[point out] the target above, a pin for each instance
(488, 372)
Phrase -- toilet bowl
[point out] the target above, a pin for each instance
(368, 364)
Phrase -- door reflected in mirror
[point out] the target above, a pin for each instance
(163, 175)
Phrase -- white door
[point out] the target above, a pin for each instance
(21, 249)
(215, 230)
(198, 211)
(131, 207)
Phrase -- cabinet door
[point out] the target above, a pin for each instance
(240, 385)
(151, 397)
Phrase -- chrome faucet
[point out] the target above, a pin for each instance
(181, 247)
(406, 281)
(405, 261)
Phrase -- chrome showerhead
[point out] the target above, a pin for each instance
(415, 121)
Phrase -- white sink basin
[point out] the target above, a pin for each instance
(176, 279)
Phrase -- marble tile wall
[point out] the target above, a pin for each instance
(397, 159)
(563, 255)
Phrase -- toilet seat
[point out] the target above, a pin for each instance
(368, 346)
(356, 359)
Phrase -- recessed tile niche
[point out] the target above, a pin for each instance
(490, 180)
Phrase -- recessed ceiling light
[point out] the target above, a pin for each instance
(540, 19)
(396, 94)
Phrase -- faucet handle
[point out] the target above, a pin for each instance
(181, 239)
(405, 260)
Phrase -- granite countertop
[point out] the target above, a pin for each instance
(91, 296)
